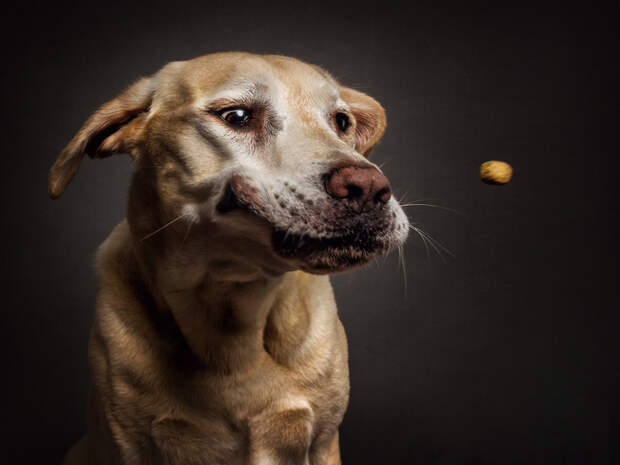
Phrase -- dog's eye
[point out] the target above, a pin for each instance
(236, 116)
(342, 121)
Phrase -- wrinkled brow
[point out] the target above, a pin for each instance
(239, 92)
(331, 91)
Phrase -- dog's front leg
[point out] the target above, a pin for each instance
(333, 454)
(281, 438)
(326, 450)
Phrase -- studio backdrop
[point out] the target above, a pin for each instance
(492, 343)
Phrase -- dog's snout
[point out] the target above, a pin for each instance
(364, 187)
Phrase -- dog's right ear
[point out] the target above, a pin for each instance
(369, 117)
(114, 128)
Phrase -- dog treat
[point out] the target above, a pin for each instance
(495, 172)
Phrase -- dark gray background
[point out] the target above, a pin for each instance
(505, 354)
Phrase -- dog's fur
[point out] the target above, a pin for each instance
(216, 338)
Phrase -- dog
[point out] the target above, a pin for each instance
(216, 338)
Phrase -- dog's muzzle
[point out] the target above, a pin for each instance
(345, 225)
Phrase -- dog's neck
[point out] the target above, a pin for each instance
(232, 320)
(226, 323)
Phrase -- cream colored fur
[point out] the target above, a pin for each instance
(207, 346)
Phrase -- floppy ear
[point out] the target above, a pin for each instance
(114, 128)
(369, 116)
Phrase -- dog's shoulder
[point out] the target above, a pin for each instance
(115, 256)
(123, 300)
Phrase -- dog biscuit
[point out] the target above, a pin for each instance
(495, 172)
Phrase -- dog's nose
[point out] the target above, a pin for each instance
(363, 187)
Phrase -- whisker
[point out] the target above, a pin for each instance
(287, 232)
(434, 243)
(169, 223)
(431, 244)
(437, 250)
(401, 259)
(424, 241)
(414, 204)
(189, 226)
(425, 200)
(402, 197)
(443, 247)
(380, 261)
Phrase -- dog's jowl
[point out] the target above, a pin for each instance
(216, 338)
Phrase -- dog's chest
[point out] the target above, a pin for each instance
(254, 422)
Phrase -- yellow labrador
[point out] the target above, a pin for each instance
(216, 338)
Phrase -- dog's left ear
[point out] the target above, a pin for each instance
(369, 117)
(114, 128)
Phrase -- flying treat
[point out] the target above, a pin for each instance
(495, 172)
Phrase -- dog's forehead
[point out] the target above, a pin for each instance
(232, 75)
(301, 79)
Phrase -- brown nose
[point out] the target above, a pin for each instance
(362, 187)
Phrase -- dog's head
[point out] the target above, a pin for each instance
(248, 161)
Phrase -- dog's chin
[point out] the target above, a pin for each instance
(323, 255)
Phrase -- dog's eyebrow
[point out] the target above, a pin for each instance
(237, 92)
(341, 104)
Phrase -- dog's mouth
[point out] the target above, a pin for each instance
(328, 254)
(324, 237)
